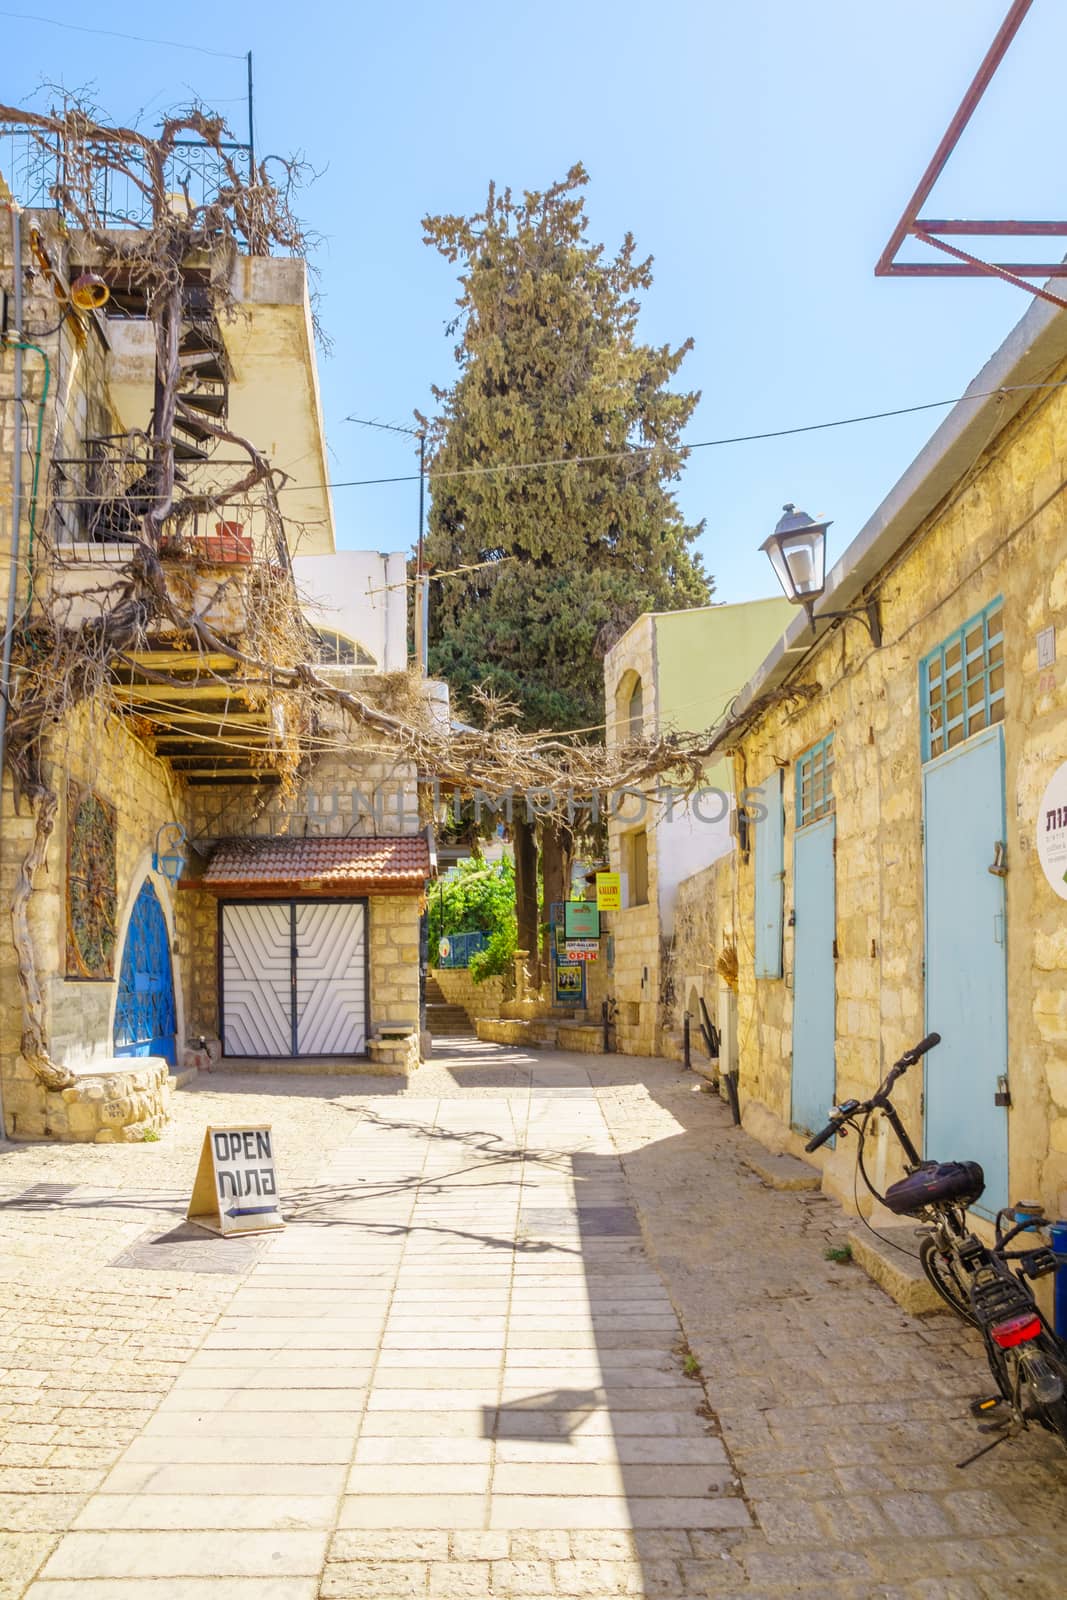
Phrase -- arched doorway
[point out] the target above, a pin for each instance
(145, 1013)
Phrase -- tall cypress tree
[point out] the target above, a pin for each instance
(550, 369)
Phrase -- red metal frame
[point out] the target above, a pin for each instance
(930, 230)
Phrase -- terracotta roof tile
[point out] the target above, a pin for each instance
(350, 864)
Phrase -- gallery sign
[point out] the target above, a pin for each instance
(582, 949)
(1052, 832)
(609, 891)
(236, 1187)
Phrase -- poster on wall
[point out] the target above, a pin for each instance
(91, 885)
(1052, 832)
(569, 983)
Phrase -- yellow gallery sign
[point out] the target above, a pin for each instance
(609, 891)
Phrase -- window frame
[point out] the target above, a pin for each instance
(975, 666)
(814, 790)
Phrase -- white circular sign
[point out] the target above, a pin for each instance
(444, 948)
(1052, 832)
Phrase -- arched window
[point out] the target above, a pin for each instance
(629, 708)
(338, 650)
(635, 716)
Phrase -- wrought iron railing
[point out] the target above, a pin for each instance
(98, 501)
(461, 946)
(35, 166)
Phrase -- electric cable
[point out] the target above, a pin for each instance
(113, 33)
(682, 449)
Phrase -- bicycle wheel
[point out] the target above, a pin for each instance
(1054, 1416)
(945, 1276)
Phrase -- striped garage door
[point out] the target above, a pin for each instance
(294, 978)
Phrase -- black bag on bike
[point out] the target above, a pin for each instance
(936, 1182)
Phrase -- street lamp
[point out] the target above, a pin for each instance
(797, 552)
(167, 858)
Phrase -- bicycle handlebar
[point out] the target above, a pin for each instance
(908, 1059)
(821, 1138)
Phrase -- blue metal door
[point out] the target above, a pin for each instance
(145, 1018)
(966, 968)
(814, 990)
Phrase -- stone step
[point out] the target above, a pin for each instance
(782, 1171)
(899, 1274)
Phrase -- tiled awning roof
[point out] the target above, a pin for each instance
(343, 866)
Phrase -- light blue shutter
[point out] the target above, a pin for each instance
(770, 878)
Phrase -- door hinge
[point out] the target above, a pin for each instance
(835, 949)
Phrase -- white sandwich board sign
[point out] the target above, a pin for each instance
(236, 1187)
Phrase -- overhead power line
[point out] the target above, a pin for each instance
(113, 33)
(645, 450)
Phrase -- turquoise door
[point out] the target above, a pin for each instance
(145, 1019)
(966, 969)
(814, 997)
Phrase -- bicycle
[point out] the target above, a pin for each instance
(987, 1287)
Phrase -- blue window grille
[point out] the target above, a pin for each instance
(815, 782)
(770, 878)
(962, 683)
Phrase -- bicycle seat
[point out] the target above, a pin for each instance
(957, 1183)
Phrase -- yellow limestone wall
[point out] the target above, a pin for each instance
(98, 753)
(1001, 532)
(705, 926)
(635, 979)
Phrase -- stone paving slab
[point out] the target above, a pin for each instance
(459, 1370)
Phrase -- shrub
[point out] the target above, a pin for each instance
(495, 961)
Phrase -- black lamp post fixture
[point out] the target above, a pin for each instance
(797, 551)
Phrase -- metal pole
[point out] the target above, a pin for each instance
(422, 582)
(687, 1059)
(251, 128)
(993, 57)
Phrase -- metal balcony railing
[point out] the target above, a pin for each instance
(98, 501)
(461, 946)
(35, 165)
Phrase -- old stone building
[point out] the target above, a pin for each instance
(215, 872)
(903, 868)
(670, 670)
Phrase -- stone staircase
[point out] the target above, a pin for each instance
(442, 1019)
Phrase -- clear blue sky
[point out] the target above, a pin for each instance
(761, 153)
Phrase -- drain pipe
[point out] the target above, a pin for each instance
(15, 212)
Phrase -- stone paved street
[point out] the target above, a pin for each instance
(533, 1329)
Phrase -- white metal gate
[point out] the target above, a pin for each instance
(294, 978)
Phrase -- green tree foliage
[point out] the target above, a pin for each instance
(550, 368)
(495, 961)
(478, 898)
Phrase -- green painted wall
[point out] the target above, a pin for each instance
(704, 657)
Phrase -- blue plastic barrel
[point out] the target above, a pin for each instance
(1058, 1239)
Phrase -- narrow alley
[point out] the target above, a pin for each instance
(492, 1354)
